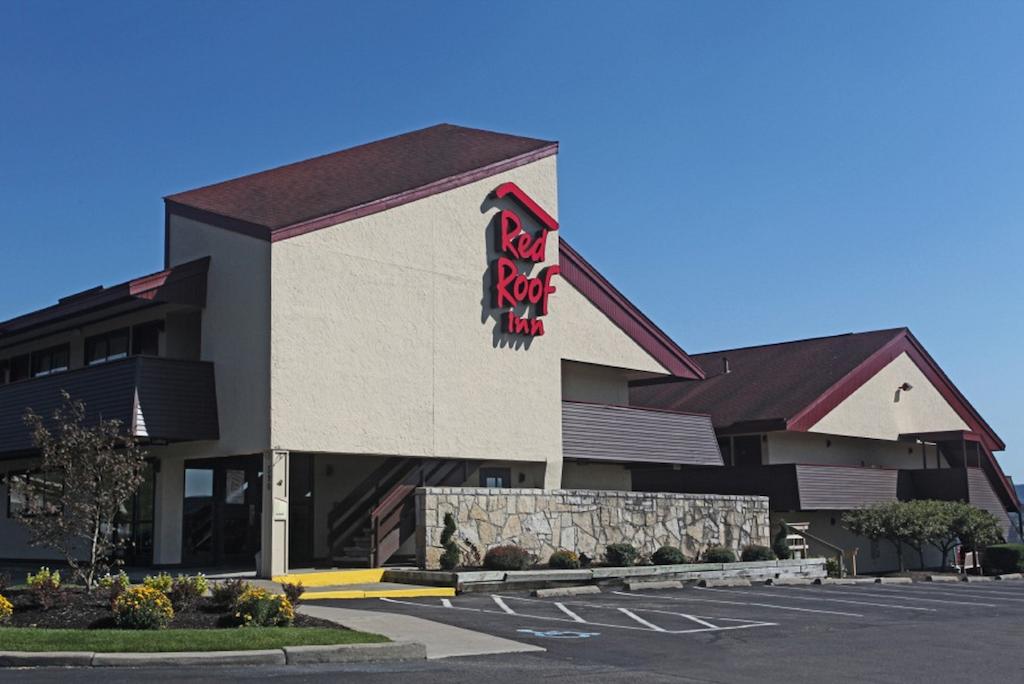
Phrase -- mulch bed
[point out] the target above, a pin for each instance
(80, 610)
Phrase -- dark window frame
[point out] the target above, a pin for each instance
(93, 342)
(49, 353)
(137, 336)
(503, 473)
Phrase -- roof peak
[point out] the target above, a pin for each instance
(434, 158)
(894, 332)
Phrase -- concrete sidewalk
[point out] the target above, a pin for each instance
(441, 640)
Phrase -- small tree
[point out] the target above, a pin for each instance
(924, 520)
(944, 533)
(87, 473)
(452, 554)
(890, 521)
(977, 529)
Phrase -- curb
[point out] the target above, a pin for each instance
(894, 580)
(789, 582)
(711, 583)
(978, 578)
(663, 584)
(943, 578)
(1010, 576)
(566, 591)
(397, 651)
(846, 581)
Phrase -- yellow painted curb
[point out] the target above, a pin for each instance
(330, 578)
(380, 593)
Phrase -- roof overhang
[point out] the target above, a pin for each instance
(184, 284)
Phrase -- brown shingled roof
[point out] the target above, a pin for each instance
(769, 383)
(384, 173)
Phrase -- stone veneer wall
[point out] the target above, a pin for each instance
(586, 521)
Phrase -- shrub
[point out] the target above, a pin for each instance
(6, 610)
(832, 567)
(755, 552)
(143, 608)
(668, 555)
(719, 554)
(780, 545)
(5, 581)
(1003, 558)
(161, 582)
(621, 555)
(293, 591)
(114, 584)
(508, 557)
(257, 607)
(564, 560)
(226, 593)
(451, 556)
(45, 588)
(186, 591)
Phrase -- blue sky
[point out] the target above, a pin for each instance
(745, 172)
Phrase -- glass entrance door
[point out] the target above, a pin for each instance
(221, 511)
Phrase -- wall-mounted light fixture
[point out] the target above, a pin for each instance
(906, 387)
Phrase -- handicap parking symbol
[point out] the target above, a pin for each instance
(559, 634)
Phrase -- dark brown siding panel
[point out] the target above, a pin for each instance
(178, 399)
(777, 482)
(944, 484)
(599, 432)
(983, 496)
(834, 488)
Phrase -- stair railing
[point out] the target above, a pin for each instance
(839, 552)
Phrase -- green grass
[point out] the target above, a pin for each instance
(130, 641)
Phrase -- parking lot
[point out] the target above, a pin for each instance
(892, 633)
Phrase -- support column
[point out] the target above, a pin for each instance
(553, 473)
(167, 511)
(274, 536)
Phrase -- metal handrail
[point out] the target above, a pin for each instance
(807, 535)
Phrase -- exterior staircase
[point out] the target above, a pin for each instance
(368, 527)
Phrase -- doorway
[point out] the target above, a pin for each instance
(301, 511)
(221, 511)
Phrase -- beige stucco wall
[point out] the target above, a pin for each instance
(608, 476)
(878, 411)
(234, 329)
(598, 384)
(805, 447)
(384, 342)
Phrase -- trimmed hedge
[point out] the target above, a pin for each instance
(755, 552)
(508, 557)
(719, 554)
(999, 559)
(668, 555)
(621, 555)
(564, 560)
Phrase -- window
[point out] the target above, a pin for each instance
(50, 361)
(18, 504)
(496, 478)
(146, 339)
(19, 368)
(109, 346)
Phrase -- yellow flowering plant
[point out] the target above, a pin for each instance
(142, 608)
(257, 607)
(6, 610)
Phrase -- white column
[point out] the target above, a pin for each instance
(274, 538)
(553, 473)
(167, 511)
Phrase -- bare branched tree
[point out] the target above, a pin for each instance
(86, 475)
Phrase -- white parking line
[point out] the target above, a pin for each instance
(818, 598)
(967, 593)
(643, 625)
(656, 628)
(574, 616)
(895, 595)
(741, 603)
(503, 605)
(446, 603)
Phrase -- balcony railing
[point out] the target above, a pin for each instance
(154, 398)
